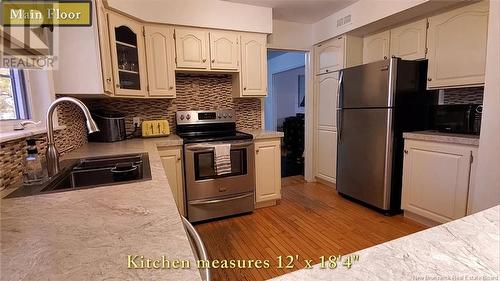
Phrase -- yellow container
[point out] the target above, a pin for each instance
(155, 128)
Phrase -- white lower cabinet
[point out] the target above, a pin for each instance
(267, 170)
(326, 155)
(171, 158)
(437, 179)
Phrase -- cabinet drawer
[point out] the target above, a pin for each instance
(199, 210)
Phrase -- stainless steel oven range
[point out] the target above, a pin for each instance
(210, 194)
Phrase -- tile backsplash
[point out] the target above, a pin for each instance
(194, 92)
(463, 95)
(12, 153)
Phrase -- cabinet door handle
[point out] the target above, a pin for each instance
(244, 88)
(213, 60)
(204, 60)
(406, 151)
(429, 79)
(256, 150)
(108, 80)
(178, 159)
(171, 87)
(385, 57)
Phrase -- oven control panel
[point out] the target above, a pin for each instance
(205, 117)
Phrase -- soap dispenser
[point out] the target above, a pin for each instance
(33, 170)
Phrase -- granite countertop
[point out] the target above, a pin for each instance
(464, 249)
(264, 134)
(88, 234)
(443, 137)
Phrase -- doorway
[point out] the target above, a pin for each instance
(284, 107)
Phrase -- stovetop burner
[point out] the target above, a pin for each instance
(208, 126)
(213, 138)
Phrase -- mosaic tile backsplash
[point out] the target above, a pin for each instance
(194, 92)
(464, 95)
(12, 153)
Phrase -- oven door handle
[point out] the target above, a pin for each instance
(205, 202)
(207, 148)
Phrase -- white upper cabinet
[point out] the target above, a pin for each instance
(330, 56)
(128, 56)
(84, 61)
(160, 54)
(457, 47)
(338, 53)
(409, 41)
(376, 47)
(120, 56)
(253, 65)
(105, 48)
(192, 48)
(224, 50)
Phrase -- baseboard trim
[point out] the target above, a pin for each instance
(325, 182)
(420, 219)
(265, 204)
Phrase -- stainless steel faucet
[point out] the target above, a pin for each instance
(52, 154)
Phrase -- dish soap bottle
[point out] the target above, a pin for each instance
(33, 171)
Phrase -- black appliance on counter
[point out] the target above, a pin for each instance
(457, 118)
(111, 126)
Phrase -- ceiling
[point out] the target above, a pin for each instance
(302, 11)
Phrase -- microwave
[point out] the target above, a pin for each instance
(457, 118)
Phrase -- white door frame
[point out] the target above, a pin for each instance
(309, 111)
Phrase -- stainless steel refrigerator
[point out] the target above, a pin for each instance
(376, 103)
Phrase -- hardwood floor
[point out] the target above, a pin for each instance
(310, 221)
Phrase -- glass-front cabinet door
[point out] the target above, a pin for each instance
(128, 56)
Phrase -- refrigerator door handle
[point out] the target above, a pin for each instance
(340, 114)
(340, 89)
(340, 104)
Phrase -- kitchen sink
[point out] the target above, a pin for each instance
(92, 172)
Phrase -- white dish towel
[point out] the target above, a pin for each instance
(222, 159)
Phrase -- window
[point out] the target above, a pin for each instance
(13, 101)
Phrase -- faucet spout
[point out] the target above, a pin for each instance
(52, 154)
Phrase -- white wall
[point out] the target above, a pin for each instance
(41, 92)
(285, 87)
(362, 13)
(201, 13)
(373, 15)
(487, 188)
(278, 64)
(290, 36)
